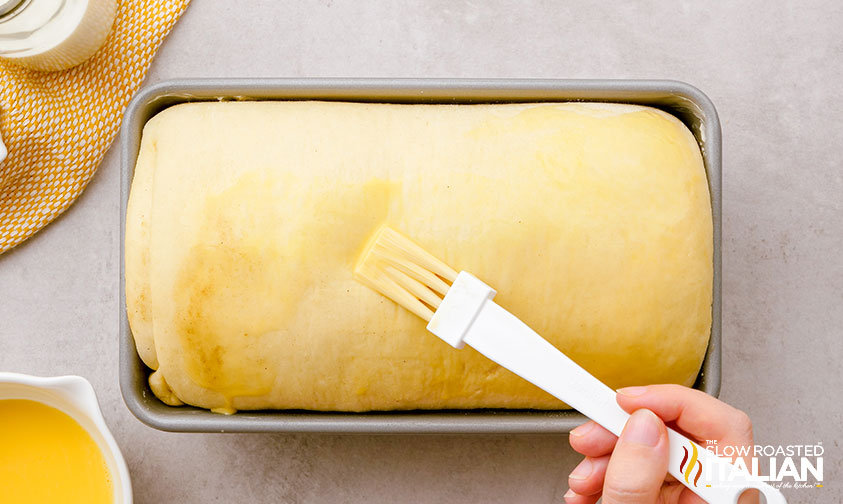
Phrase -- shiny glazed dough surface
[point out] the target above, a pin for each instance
(245, 219)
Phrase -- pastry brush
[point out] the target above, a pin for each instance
(459, 309)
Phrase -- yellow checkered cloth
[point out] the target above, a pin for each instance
(58, 126)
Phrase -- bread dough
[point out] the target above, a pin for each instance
(592, 221)
(136, 251)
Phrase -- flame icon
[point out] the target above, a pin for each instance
(687, 471)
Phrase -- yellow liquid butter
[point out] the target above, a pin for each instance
(46, 456)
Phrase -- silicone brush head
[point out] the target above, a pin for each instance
(403, 271)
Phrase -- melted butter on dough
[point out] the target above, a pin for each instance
(233, 263)
(243, 259)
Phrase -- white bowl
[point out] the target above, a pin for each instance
(75, 396)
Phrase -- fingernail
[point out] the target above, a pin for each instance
(642, 428)
(633, 391)
(583, 429)
(569, 495)
(582, 471)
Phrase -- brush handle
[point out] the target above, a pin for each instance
(470, 316)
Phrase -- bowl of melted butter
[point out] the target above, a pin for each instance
(55, 446)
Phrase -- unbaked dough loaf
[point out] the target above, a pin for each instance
(245, 219)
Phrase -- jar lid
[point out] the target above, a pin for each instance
(7, 6)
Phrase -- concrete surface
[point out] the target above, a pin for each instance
(773, 69)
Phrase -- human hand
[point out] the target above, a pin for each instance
(632, 469)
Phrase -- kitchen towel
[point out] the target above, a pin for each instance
(58, 126)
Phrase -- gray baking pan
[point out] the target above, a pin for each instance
(682, 100)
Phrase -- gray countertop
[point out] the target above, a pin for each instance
(772, 69)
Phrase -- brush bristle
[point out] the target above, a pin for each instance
(401, 270)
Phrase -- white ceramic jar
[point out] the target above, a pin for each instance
(74, 396)
(53, 34)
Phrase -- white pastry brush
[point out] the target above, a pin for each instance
(459, 309)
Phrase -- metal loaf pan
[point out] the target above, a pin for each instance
(682, 100)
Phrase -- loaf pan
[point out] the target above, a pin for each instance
(685, 102)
